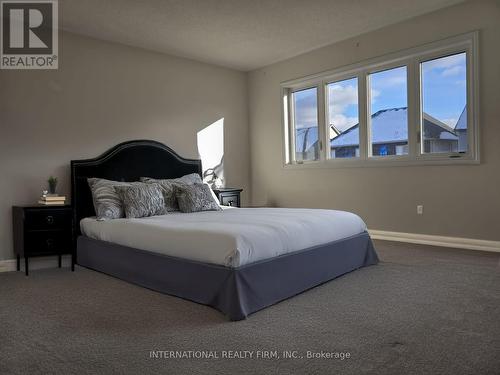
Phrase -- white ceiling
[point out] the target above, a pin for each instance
(240, 34)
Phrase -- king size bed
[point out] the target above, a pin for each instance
(237, 260)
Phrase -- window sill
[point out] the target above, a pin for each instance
(385, 162)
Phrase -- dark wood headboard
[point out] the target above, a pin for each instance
(127, 161)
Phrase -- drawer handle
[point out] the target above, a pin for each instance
(50, 242)
(50, 219)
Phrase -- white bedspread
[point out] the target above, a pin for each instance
(232, 237)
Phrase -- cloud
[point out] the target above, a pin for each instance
(306, 116)
(306, 110)
(343, 122)
(389, 78)
(453, 71)
(396, 80)
(374, 94)
(445, 62)
(340, 98)
(446, 66)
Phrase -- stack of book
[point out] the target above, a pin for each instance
(52, 200)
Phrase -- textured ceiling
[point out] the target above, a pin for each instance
(240, 34)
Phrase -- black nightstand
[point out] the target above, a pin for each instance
(40, 231)
(229, 196)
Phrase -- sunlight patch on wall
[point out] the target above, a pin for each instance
(211, 151)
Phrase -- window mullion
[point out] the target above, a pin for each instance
(473, 98)
(291, 128)
(285, 95)
(413, 88)
(363, 100)
(322, 120)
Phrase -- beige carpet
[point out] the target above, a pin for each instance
(422, 310)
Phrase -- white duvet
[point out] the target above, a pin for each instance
(232, 237)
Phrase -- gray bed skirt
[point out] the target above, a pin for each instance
(237, 292)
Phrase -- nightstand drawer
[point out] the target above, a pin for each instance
(41, 242)
(230, 200)
(47, 219)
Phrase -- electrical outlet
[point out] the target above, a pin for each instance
(420, 209)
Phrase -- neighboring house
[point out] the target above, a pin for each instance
(438, 137)
(389, 135)
(306, 144)
(461, 131)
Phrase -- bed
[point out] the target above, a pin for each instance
(238, 260)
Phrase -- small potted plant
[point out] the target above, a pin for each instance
(52, 184)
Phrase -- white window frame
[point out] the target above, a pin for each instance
(326, 140)
(377, 69)
(411, 58)
(291, 127)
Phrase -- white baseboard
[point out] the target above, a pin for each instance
(7, 265)
(427, 239)
(35, 263)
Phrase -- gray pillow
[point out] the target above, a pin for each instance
(142, 200)
(195, 198)
(107, 203)
(168, 187)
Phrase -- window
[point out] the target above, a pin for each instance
(305, 119)
(388, 112)
(413, 107)
(444, 104)
(343, 118)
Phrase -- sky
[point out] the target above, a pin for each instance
(343, 103)
(443, 91)
(444, 88)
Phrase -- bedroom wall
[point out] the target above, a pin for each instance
(105, 93)
(459, 201)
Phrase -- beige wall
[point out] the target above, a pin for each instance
(461, 201)
(103, 94)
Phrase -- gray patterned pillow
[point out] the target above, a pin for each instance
(195, 198)
(168, 187)
(107, 203)
(142, 200)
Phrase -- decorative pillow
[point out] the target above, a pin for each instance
(142, 200)
(168, 187)
(195, 198)
(107, 203)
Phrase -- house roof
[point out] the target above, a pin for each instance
(390, 126)
(462, 120)
(309, 134)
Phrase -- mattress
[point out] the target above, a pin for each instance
(232, 237)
